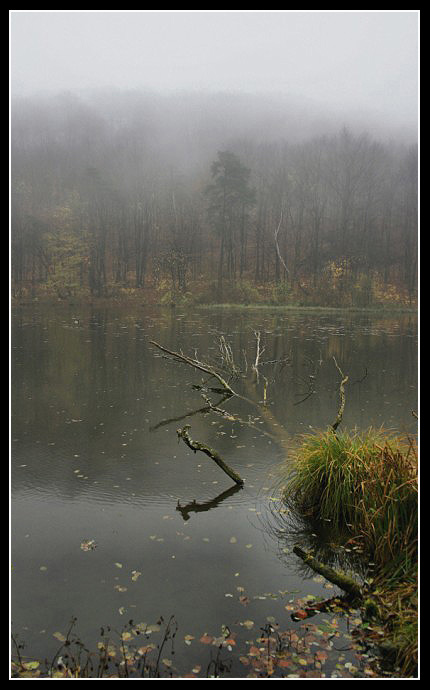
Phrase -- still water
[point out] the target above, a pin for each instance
(95, 457)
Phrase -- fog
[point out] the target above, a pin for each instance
(360, 65)
(163, 146)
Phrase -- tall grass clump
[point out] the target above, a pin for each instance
(364, 480)
(367, 484)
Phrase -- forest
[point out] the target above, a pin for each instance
(209, 198)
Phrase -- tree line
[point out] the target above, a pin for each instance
(109, 200)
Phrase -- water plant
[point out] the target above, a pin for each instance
(366, 484)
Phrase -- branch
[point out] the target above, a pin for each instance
(342, 396)
(258, 352)
(235, 418)
(346, 583)
(195, 446)
(196, 364)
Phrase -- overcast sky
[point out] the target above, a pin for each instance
(366, 60)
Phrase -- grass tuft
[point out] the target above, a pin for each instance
(368, 483)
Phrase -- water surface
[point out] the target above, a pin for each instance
(94, 457)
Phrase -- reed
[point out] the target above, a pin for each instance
(367, 483)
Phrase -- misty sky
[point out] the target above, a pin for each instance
(364, 61)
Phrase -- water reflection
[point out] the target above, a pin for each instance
(195, 507)
(95, 456)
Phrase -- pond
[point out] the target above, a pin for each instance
(113, 519)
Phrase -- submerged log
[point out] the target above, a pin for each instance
(345, 582)
(196, 445)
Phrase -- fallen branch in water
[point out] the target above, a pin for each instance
(196, 445)
(196, 364)
(342, 397)
(345, 582)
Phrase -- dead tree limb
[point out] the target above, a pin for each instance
(196, 364)
(235, 418)
(345, 582)
(196, 445)
(342, 397)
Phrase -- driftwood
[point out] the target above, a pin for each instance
(196, 445)
(346, 583)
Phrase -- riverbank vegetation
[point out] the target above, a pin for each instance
(365, 485)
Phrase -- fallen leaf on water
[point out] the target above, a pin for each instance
(88, 545)
(120, 588)
(300, 613)
(206, 639)
(59, 636)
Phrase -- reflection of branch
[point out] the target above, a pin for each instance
(206, 408)
(196, 445)
(362, 378)
(311, 384)
(195, 507)
(299, 402)
(342, 396)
